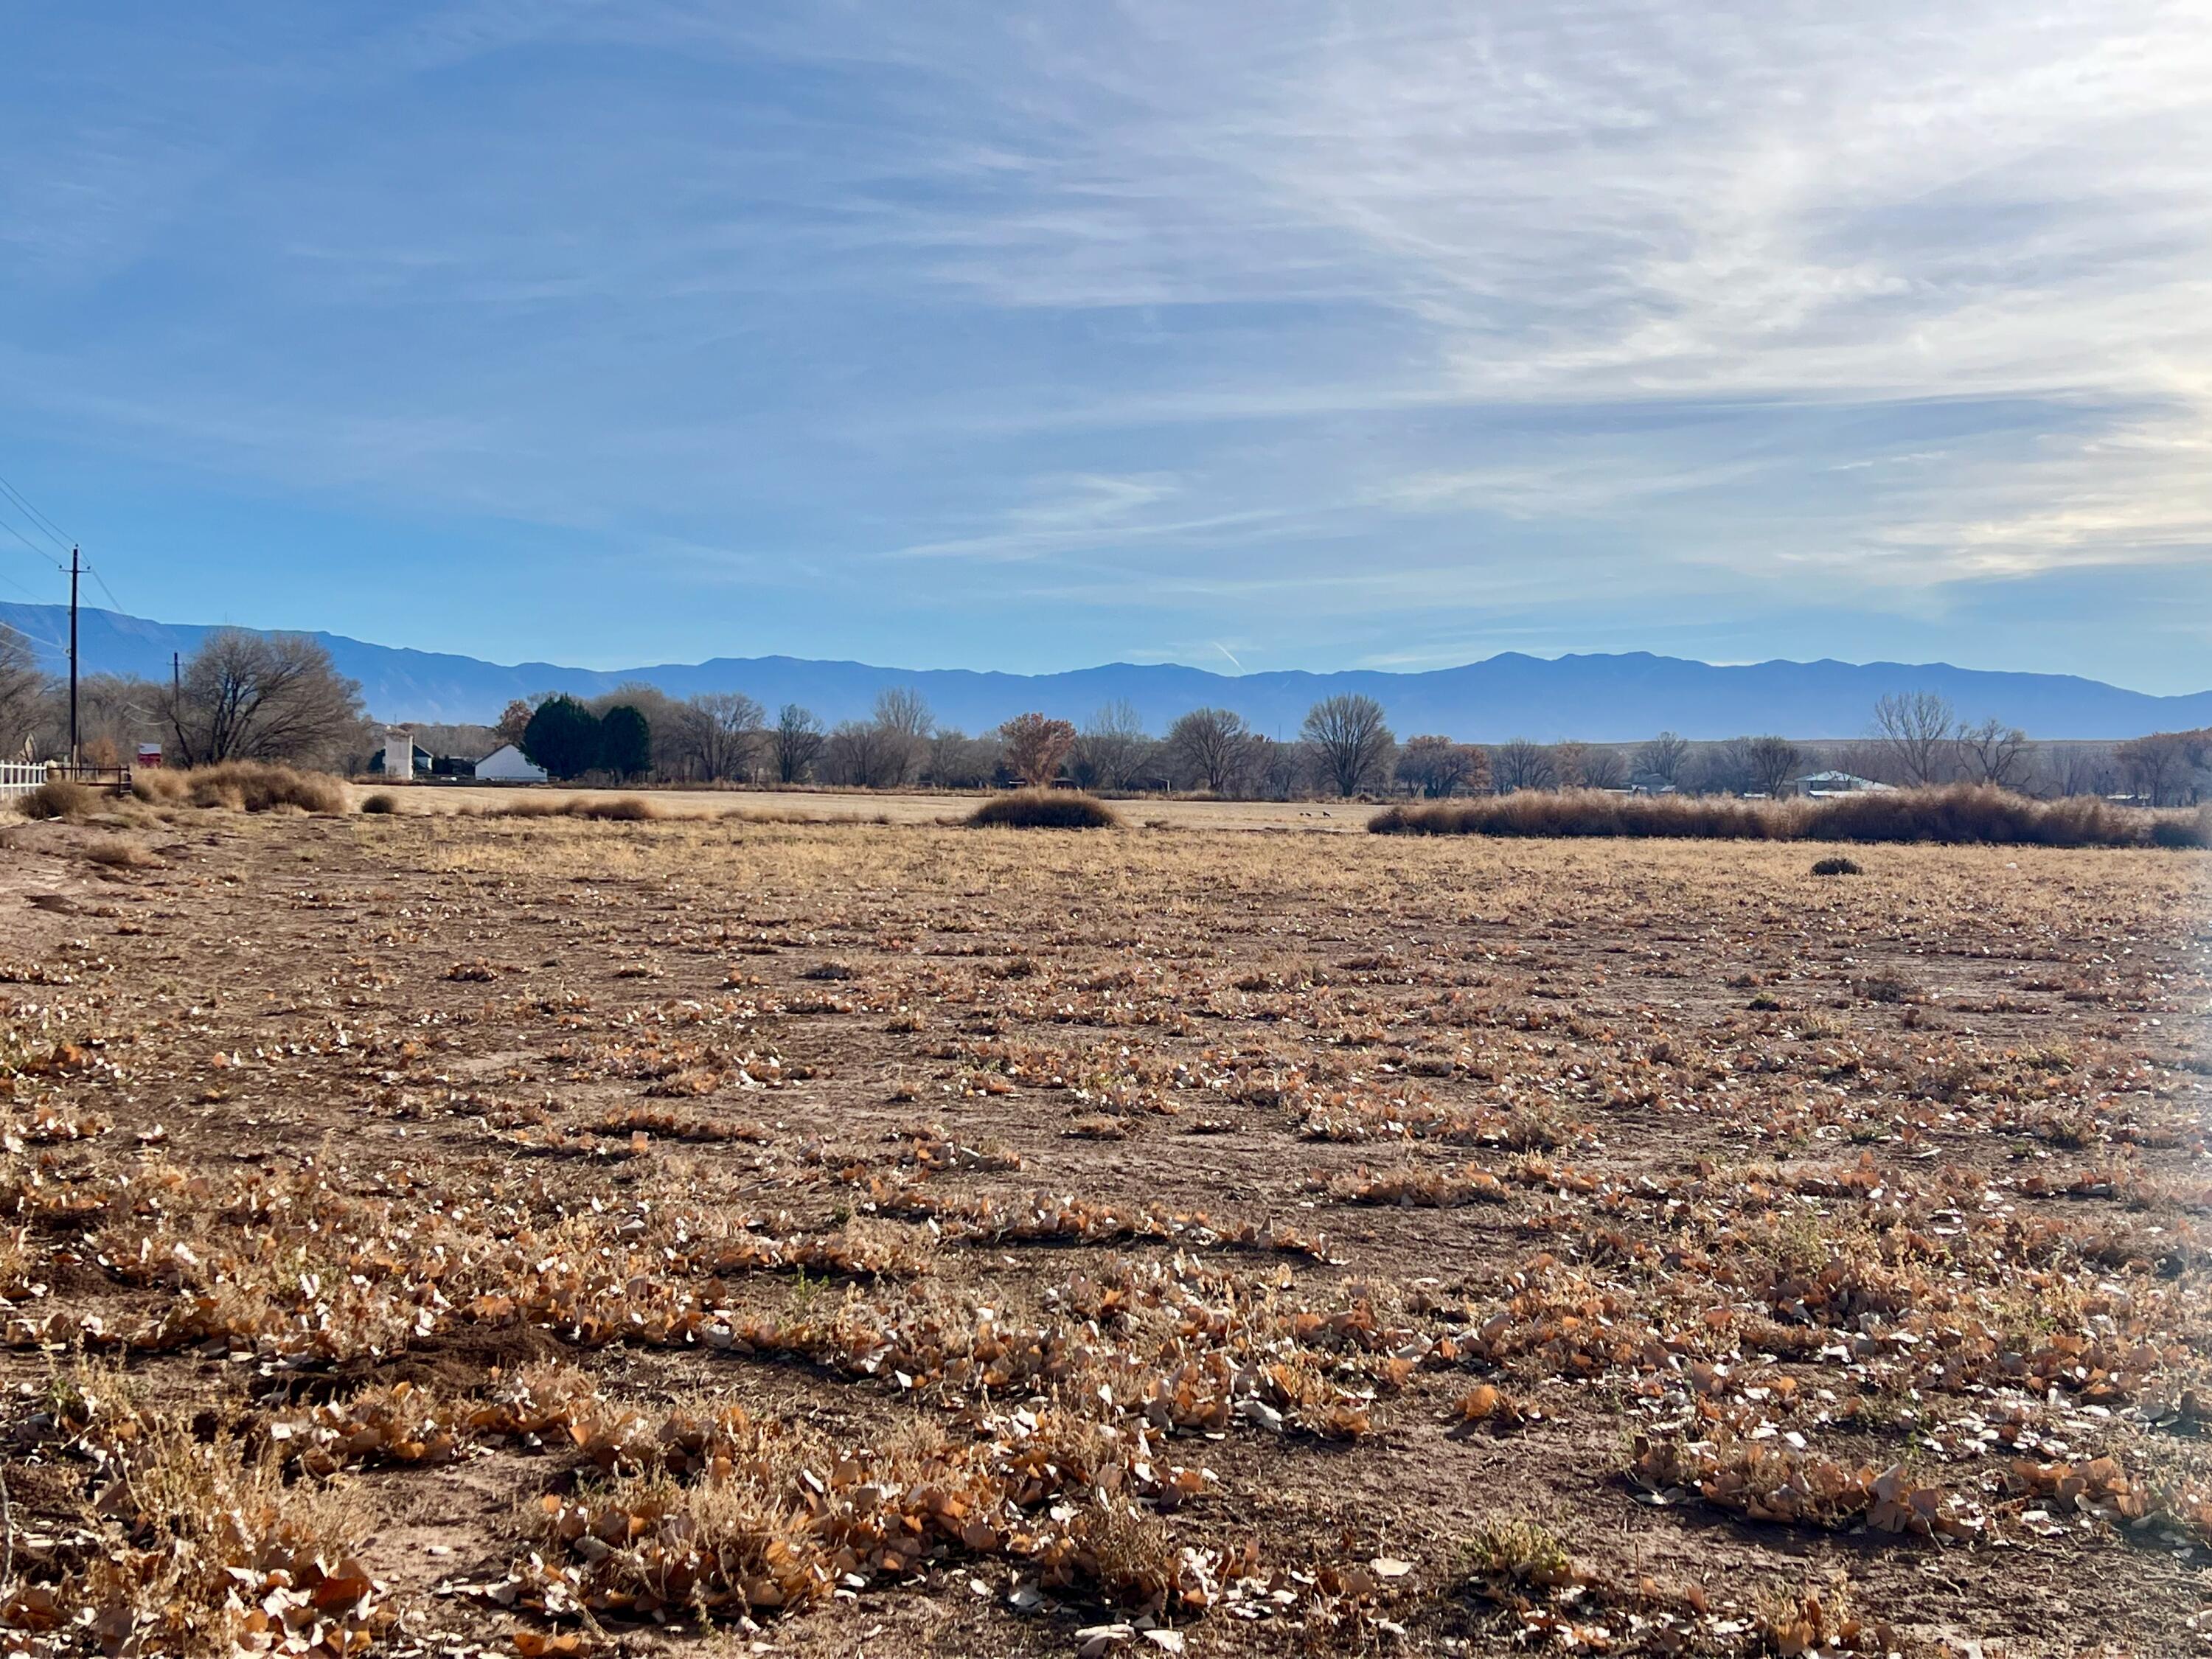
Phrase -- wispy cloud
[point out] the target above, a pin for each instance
(1523, 322)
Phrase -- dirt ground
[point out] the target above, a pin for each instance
(438, 1235)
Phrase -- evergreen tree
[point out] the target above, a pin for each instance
(562, 737)
(625, 742)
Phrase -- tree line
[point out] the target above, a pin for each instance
(1345, 747)
(277, 696)
(241, 695)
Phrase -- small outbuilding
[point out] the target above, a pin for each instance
(398, 741)
(505, 765)
(1815, 784)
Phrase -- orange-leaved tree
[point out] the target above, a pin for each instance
(1036, 745)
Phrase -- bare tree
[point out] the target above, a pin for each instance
(717, 734)
(1352, 741)
(1914, 730)
(2160, 767)
(904, 720)
(1658, 763)
(1995, 753)
(669, 753)
(259, 696)
(23, 692)
(1275, 770)
(115, 713)
(957, 761)
(2080, 769)
(866, 754)
(1522, 764)
(1212, 745)
(1436, 767)
(1035, 745)
(1567, 757)
(796, 743)
(1604, 768)
(1110, 751)
(1769, 763)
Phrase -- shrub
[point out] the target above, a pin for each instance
(1975, 813)
(380, 804)
(622, 809)
(116, 853)
(57, 797)
(1836, 866)
(1039, 808)
(2195, 830)
(242, 786)
(531, 806)
(1586, 812)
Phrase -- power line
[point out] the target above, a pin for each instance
(24, 591)
(37, 551)
(38, 519)
(47, 640)
(93, 571)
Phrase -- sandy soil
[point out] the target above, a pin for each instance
(1530, 1244)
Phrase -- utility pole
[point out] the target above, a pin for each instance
(77, 566)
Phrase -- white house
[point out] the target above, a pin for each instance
(505, 765)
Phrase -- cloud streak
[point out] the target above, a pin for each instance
(1462, 323)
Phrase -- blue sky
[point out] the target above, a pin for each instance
(1323, 335)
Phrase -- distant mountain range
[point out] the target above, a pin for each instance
(1599, 699)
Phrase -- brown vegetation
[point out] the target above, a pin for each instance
(57, 797)
(1044, 809)
(560, 1236)
(1961, 814)
(242, 786)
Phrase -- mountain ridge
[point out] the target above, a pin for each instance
(1599, 697)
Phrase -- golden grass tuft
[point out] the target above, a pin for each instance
(243, 786)
(621, 809)
(58, 798)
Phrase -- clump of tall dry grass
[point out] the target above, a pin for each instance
(1960, 814)
(243, 786)
(57, 797)
(621, 809)
(1044, 809)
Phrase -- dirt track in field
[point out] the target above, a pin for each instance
(1659, 1202)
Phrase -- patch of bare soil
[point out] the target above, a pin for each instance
(437, 1235)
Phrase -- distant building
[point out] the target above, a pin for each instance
(398, 741)
(1816, 785)
(505, 765)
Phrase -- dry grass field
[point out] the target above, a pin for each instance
(879, 806)
(435, 1236)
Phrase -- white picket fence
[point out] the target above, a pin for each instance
(17, 778)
